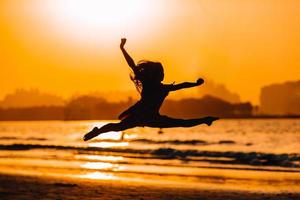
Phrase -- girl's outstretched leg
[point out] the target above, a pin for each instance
(167, 122)
(107, 128)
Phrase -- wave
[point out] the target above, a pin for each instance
(147, 141)
(8, 138)
(173, 142)
(16, 138)
(245, 158)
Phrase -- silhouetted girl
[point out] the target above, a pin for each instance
(148, 77)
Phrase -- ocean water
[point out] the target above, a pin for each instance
(230, 151)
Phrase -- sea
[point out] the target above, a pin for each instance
(263, 154)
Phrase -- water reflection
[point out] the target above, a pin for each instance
(101, 157)
(111, 135)
(130, 136)
(99, 165)
(108, 144)
(99, 175)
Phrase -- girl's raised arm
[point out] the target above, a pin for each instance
(129, 60)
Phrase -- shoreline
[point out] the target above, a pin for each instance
(115, 119)
(37, 187)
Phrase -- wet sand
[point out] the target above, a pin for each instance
(37, 187)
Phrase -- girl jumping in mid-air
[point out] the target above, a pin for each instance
(148, 77)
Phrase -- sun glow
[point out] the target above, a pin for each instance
(83, 18)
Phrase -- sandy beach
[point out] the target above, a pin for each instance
(32, 187)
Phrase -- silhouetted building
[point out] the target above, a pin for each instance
(218, 90)
(205, 106)
(280, 99)
(89, 107)
(22, 98)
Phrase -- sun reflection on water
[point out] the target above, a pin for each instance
(130, 136)
(108, 144)
(113, 135)
(99, 175)
(98, 165)
(101, 157)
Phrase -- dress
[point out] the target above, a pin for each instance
(146, 111)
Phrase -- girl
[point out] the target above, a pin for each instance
(148, 77)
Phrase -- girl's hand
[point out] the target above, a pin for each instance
(200, 81)
(123, 41)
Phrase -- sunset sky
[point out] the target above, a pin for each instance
(72, 46)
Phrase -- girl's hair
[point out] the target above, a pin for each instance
(147, 72)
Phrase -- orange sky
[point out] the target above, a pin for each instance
(71, 46)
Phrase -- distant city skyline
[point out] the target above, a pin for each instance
(26, 97)
(278, 99)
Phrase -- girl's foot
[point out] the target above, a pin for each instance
(93, 133)
(209, 120)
